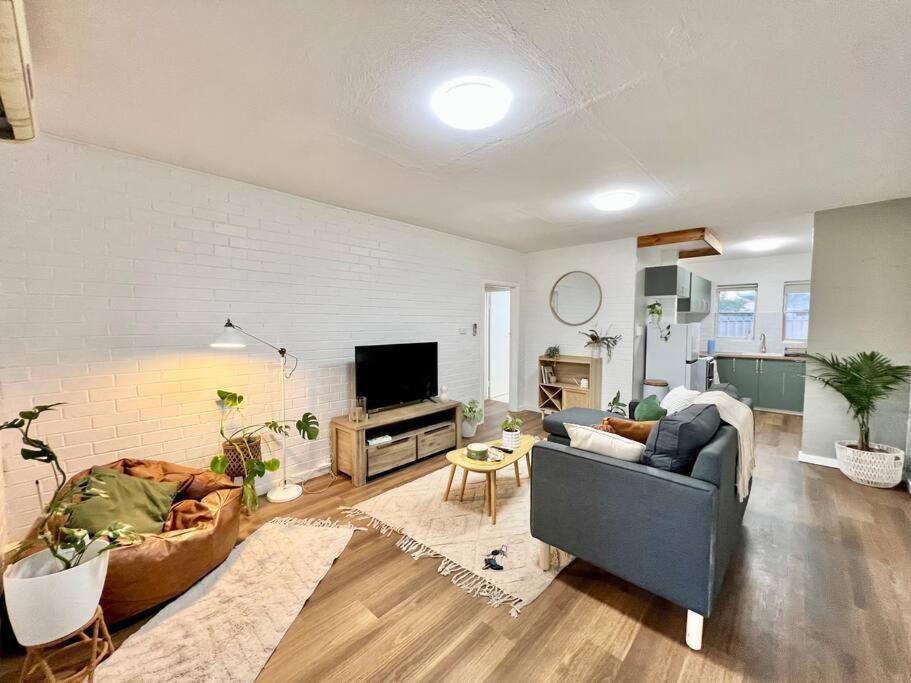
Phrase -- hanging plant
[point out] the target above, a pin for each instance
(597, 341)
(655, 311)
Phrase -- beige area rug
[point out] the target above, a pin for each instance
(462, 535)
(226, 626)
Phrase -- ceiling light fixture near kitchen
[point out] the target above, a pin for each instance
(763, 245)
(471, 102)
(615, 200)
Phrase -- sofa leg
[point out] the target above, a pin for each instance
(694, 623)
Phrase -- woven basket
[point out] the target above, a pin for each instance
(236, 456)
(883, 470)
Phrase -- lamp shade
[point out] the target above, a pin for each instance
(229, 338)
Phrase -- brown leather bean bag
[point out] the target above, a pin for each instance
(200, 533)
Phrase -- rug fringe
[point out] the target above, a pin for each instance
(310, 521)
(467, 580)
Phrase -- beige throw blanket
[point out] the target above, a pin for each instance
(740, 417)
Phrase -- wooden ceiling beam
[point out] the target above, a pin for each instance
(713, 246)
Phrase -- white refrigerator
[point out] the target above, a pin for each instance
(672, 360)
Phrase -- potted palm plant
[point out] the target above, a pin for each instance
(243, 443)
(511, 436)
(472, 416)
(864, 379)
(55, 591)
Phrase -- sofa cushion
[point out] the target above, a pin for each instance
(630, 429)
(676, 440)
(141, 503)
(678, 398)
(604, 443)
(554, 423)
(649, 409)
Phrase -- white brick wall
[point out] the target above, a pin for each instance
(116, 273)
(613, 265)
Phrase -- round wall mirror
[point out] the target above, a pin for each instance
(575, 298)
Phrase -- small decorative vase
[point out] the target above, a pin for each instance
(511, 439)
(596, 350)
(469, 428)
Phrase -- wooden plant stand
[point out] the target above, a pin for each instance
(94, 636)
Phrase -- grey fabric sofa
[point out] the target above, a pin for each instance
(671, 534)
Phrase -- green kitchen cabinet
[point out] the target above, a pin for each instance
(741, 372)
(780, 385)
(773, 383)
(794, 385)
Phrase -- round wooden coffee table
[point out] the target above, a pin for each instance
(459, 458)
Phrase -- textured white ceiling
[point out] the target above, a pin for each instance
(721, 113)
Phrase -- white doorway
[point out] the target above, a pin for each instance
(497, 343)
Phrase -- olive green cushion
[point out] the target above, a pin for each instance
(649, 409)
(141, 503)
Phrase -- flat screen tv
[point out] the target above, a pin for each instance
(393, 374)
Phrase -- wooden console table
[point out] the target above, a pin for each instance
(418, 431)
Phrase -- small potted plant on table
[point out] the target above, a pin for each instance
(864, 380)
(511, 434)
(73, 563)
(244, 442)
(472, 416)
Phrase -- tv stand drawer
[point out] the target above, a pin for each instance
(436, 439)
(399, 451)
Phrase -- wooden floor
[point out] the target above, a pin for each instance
(820, 591)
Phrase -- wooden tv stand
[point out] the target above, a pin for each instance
(418, 431)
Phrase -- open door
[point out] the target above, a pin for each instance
(498, 303)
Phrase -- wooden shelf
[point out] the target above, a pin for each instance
(565, 391)
(417, 431)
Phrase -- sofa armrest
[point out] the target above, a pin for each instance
(653, 528)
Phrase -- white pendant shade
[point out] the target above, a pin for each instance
(228, 339)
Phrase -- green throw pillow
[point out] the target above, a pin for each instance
(649, 409)
(141, 503)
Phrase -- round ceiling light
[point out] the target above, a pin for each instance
(615, 200)
(471, 102)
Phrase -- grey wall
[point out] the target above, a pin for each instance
(861, 287)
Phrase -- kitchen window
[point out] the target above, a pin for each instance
(736, 311)
(796, 311)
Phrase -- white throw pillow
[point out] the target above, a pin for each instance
(605, 443)
(677, 399)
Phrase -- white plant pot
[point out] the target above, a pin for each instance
(45, 603)
(883, 470)
(511, 439)
(469, 428)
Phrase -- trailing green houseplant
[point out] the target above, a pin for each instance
(66, 543)
(472, 416)
(864, 380)
(243, 438)
(552, 351)
(73, 561)
(655, 311)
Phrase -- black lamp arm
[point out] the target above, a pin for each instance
(282, 351)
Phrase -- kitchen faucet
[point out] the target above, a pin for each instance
(762, 348)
